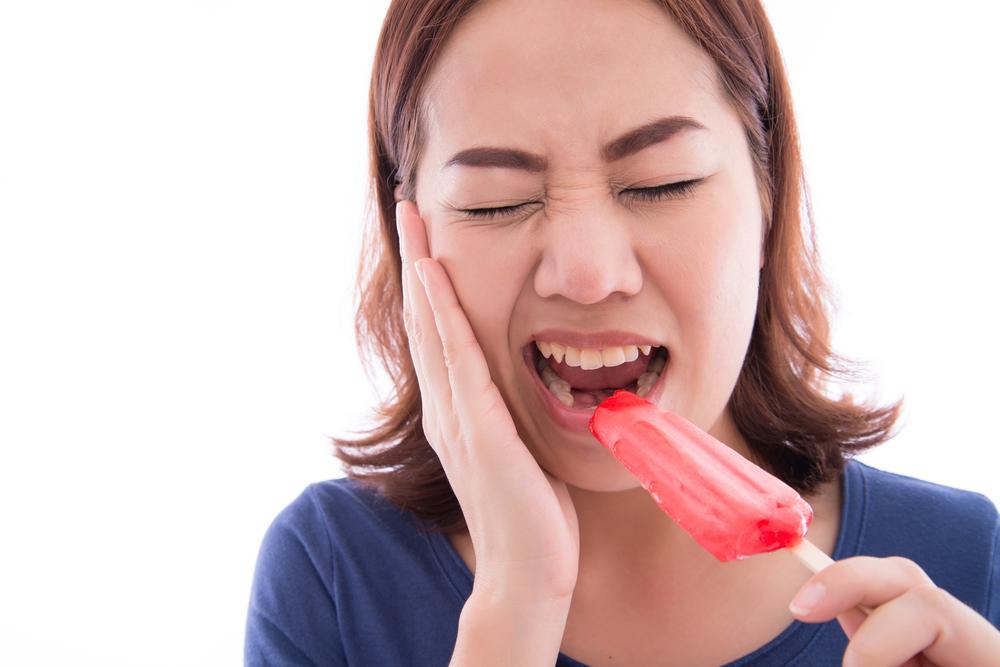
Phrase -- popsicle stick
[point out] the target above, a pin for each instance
(813, 558)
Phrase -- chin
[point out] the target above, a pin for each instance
(603, 474)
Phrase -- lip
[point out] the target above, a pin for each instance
(595, 339)
(576, 420)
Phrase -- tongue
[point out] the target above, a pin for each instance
(615, 377)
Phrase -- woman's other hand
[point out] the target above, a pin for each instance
(521, 520)
(913, 622)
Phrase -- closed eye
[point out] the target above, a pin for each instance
(656, 193)
(494, 212)
(666, 191)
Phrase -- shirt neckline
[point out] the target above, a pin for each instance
(792, 641)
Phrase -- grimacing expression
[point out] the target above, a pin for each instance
(571, 241)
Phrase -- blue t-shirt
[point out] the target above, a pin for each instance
(346, 578)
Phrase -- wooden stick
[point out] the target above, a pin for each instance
(814, 559)
(811, 556)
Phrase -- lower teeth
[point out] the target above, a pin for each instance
(579, 398)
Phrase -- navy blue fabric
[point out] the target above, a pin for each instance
(343, 577)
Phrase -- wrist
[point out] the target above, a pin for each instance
(531, 601)
(522, 588)
(509, 628)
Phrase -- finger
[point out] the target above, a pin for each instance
(924, 620)
(892, 634)
(851, 620)
(406, 270)
(423, 341)
(862, 580)
(412, 235)
(478, 403)
(411, 307)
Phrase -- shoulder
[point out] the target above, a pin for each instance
(343, 514)
(332, 500)
(951, 533)
(295, 588)
(900, 501)
(339, 565)
(352, 535)
(299, 542)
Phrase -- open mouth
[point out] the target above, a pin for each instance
(576, 388)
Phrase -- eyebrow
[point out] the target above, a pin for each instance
(627, 144)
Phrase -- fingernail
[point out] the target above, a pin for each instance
(399, 205)
(420, 273)
(807, 599)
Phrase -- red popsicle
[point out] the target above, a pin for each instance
(730, 506)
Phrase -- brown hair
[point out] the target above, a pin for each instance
(779, 403)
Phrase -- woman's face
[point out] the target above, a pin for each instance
(561, 82)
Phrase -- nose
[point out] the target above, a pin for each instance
(587, 255)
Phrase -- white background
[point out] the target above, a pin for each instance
(181, 197)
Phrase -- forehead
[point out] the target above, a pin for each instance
(575, 71)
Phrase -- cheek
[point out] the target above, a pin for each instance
(487, 279)
(711, 289)
(710, 263)
(731, 274)
(729, 246)
(710, 274)
(735, 309)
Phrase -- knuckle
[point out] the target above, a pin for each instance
(494, 404)
(458, 437)
(454, 349)
(854, 568)
(416, 334)
(911, 571)
(469, 431)
(931, 596)
(431, 434)
(449, 352)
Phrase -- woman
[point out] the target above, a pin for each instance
(580, 192)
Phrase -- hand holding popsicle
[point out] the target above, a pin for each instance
(912, 622)
(521, 520)
(888, 607)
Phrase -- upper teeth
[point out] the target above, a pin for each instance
(589, 359)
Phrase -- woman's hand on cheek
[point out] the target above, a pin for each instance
(912, 622)
(521, 520)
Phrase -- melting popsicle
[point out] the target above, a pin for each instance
(729, 505)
